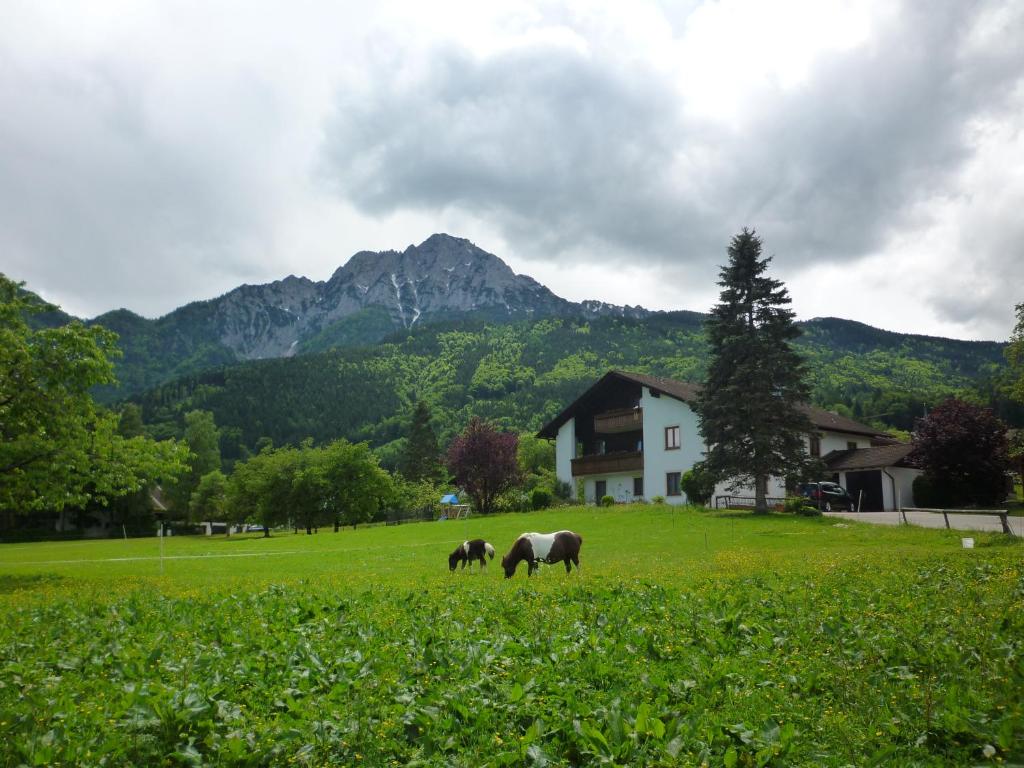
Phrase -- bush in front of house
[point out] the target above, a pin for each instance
(657, 500)
(797, 505)
(698, 485)
(540, 499)
(607, 501)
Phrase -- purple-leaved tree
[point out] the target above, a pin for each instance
(962, 449)
(483, 463)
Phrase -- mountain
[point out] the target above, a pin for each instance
(521, 373)
(447, 321)
(373, 295)
(451, 324)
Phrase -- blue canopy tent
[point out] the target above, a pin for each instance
(454, 510)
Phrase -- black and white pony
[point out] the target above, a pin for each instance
(561, 546)
(468, 551)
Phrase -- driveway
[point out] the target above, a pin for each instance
(935, 520)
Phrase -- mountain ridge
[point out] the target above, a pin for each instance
(373, 296)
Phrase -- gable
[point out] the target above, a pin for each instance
(685, 392)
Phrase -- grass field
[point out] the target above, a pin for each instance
(688, 637)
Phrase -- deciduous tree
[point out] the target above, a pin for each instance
(57, 449)
(483, 462)
(962, 449)
(207, 502)
(1014, 353)
(749, 406)
(340, 483)
(203, 441)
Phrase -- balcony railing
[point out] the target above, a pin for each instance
(624, 461)
(621, 420)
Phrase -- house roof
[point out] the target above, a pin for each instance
(680, 390)
(687, 392)
(869, 458)
(833, 422)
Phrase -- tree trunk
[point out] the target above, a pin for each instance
(761, 495)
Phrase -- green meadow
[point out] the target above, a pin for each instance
(687, 638)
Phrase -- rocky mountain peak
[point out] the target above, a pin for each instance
(444, 276)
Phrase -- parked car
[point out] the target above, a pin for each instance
(828, 496)
(253, 528)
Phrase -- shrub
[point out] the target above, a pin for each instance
(797, 505)
(698, 485)
(657, 499)
(607, 501)
(925, 493)
(540, 499)
(563, 490)
(792, 505)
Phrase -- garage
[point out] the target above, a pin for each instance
(880, 476)
(866, 487)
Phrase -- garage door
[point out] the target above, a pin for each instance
(870, 483)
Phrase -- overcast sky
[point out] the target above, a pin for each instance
(153, 154)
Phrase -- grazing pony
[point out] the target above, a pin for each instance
(468, 551)
(543, 547)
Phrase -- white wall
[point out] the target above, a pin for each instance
(837, 441)
(565, 452)
(619, 486)
(904, 478)
(905, 484)
(661, 412)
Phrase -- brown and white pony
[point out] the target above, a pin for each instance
(561, 546)
(468, 551)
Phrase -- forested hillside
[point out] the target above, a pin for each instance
(521, 374)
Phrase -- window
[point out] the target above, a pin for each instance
(815, 448)
(851, 445)
(638, 487)
(672, 484)
(671, 438)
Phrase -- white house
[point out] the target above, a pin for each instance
(632, 436)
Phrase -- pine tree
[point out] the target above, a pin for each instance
(421, 459)
(749, 407)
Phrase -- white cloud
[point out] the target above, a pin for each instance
(152, 154)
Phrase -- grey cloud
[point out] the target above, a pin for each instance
(583, 157)
(104, 200)
(544, 140)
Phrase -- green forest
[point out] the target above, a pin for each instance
(518, 375)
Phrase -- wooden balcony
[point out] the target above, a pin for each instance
(624, 461)
(619, 420)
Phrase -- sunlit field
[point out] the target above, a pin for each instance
(687, 637)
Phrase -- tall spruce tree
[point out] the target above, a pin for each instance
(749, 407)
(421, 458)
